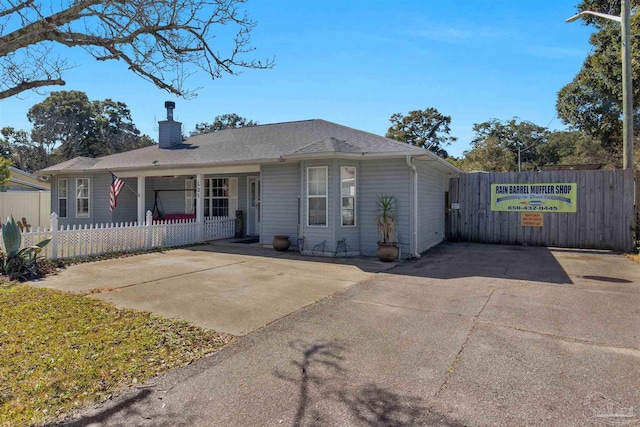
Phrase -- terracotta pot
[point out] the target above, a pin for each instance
(281, 243)
(387, 252)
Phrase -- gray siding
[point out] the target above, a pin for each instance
(432, 185)
(280, 190)
(390, 177)
(127, 206)
(98, 199)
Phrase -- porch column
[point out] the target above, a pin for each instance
(200, 206)
(141, 202)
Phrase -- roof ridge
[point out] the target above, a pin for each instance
(399, 143)
(255, 126)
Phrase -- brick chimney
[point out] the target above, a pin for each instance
(170, 131)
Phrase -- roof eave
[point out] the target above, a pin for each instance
(440, 160)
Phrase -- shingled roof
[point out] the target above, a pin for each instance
(249, 145)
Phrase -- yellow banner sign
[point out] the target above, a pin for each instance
(534, 197)
(531, 219)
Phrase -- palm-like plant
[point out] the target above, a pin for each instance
(386, 219)
(19, 264)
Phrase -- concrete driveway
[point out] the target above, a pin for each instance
(470, 335)
(231, 289)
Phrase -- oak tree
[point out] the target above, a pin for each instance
(515, 137)
(427, 129)
(224, 121)
(70, 123)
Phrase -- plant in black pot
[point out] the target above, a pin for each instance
(386, 219)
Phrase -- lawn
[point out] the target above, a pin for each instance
(59, 352)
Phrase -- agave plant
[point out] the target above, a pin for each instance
(386, 219)
(16, 263)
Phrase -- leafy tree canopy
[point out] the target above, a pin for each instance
(496, 143)
(24, 153)
(509, 137)
(5, 173)
(75, 126)
(225, 121)
(162, 41)
(592, 101)
(67, 125)
(427, 128)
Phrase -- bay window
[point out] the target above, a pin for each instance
(348, 195)
(317, 179)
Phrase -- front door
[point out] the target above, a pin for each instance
(253, 217)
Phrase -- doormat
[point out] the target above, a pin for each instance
(248, 241)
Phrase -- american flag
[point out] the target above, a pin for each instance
(116, 186)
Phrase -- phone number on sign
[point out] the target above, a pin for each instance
(533, 208)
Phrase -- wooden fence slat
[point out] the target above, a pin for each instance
(605, 210)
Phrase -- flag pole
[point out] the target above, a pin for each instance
(125, 184)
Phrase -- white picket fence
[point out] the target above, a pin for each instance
(86, 240)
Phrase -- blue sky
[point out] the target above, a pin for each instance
(357, 62)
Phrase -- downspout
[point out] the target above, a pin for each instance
(414, 249)
(300, 205)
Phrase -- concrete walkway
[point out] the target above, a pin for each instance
(472, 335)
(235, 292)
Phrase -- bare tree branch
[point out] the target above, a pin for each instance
(30, 85)
(162, 41)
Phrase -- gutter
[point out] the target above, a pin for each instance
(410, 165)
(29, 184)
(443, 162)
(97, 168)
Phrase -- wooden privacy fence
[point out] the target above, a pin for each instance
(87, 240)
(603, 218)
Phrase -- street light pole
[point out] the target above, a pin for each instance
(627, 80)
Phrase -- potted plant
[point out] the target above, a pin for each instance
(386, 219)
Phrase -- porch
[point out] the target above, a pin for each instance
(180, 195)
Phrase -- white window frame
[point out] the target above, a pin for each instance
(88, 198)
(231, 197)
(325, 196)
(65, 197)
(354, 196)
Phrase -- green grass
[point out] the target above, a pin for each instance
(59, 352)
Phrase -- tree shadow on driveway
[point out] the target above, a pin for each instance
(323, 391)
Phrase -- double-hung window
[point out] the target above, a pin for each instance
(317, 196)
(348, 195)
(82, 197)
(63, 197)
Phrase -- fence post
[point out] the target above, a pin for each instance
(149, 223)
(53, 224)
